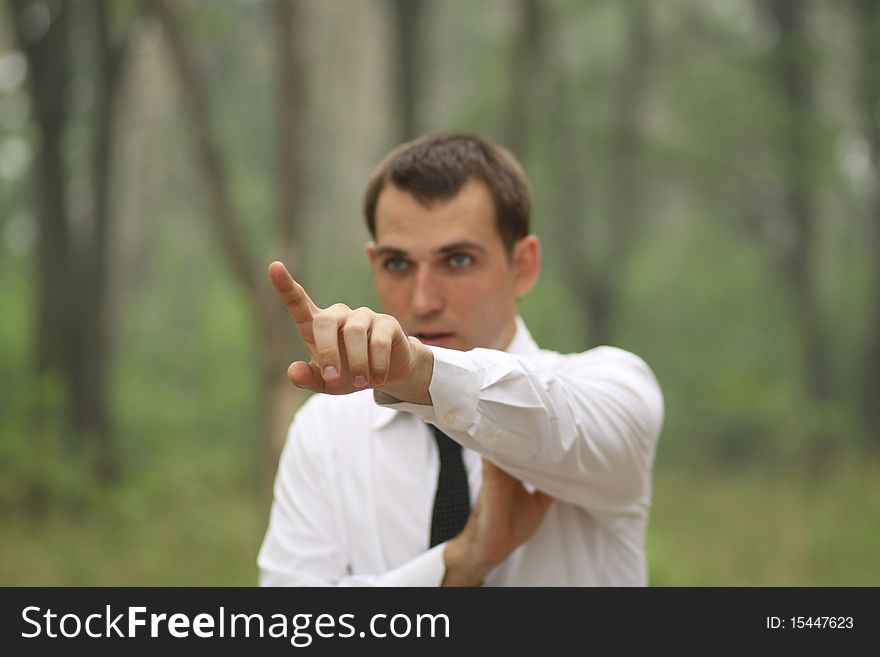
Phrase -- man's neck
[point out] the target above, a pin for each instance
(510, 334)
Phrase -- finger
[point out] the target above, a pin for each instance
(354, 334)
(381, 339)
(298, 303)
(325, 326)
(305, 375)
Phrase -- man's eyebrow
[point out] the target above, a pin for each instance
(389, 250)
(459, 246)
(443, 250)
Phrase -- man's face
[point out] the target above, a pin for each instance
(442, 271)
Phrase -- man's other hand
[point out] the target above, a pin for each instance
(353, 349)
(505, 516)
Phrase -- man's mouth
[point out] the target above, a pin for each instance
(437, 338)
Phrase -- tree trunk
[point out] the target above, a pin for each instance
(91, 408)
(407, 18)
(868, 29)
(798, 268)
(526, 75)
(292, 140)
(48, 79)
(282, 344)
(280, 399)
(570, 227)
(594, 276)
(624, 203)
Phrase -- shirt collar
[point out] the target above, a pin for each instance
(522, 344)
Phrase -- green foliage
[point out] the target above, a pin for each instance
(722, 341)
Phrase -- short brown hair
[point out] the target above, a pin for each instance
(435, 166)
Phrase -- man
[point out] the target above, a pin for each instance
(552, 482)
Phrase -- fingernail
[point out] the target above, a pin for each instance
(330, 373)
(378, 380)
(359, 381)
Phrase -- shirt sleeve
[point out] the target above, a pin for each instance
(305, 543)
(580, 427)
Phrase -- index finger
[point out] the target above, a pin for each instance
(301, 307)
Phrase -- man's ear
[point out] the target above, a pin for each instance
(370, 248)
(526, 263)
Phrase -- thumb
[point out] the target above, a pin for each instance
(305, 375)
(492, 472)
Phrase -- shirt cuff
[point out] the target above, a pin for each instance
(427, 569)
(454, 389)
(461, 384)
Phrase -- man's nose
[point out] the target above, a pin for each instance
(428, 294)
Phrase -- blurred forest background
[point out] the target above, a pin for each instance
(706, 187)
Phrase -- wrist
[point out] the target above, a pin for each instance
(415, 387)
(461, 568)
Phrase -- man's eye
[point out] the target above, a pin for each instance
(459, 260)
(395, 264)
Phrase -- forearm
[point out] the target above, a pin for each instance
(581, 428)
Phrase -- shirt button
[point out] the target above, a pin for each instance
(450, 417)
(495, 437)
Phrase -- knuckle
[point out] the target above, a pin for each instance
(381, 343)
(354, 329)
(362, 317)
(325, 321)
(388, 324)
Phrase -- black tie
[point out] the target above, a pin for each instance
(452, 501)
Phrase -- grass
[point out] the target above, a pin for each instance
(760, 527)
(195, 520)
(190, 523)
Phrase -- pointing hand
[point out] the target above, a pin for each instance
(353, 349)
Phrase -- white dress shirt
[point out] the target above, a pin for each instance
(356, 480)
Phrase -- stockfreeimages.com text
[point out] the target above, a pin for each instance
(300, 629)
